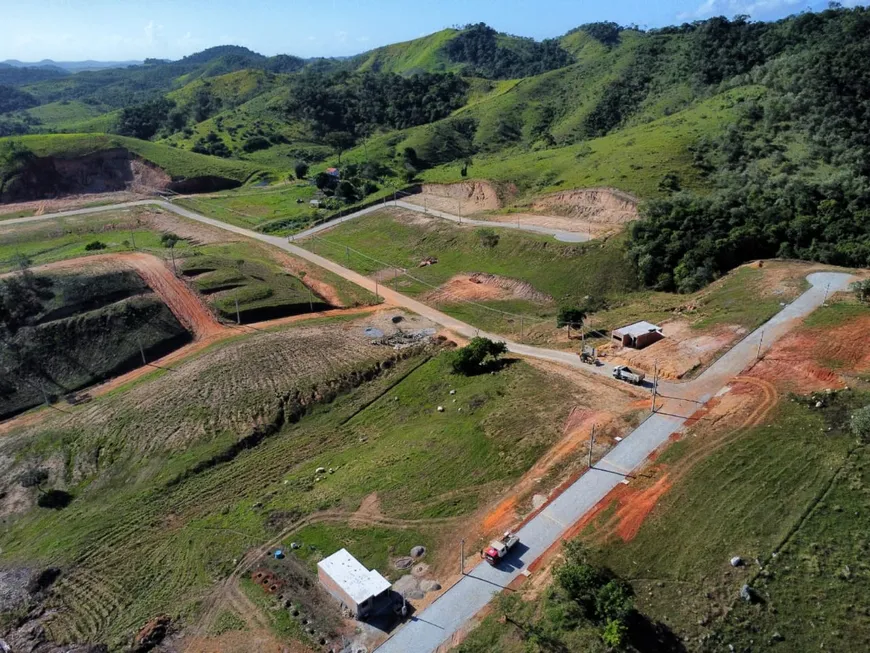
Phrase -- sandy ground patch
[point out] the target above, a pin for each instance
(464, 198)
(483, 287)
(681, 351)
(261, 640)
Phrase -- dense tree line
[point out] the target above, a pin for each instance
(479, 48)
(356, 104)
(13, 99)
(770, 201)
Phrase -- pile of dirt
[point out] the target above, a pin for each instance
(595, 205)
(464, 198)
(516, 288)
(485, 287)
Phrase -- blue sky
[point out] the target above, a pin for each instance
(135, 29)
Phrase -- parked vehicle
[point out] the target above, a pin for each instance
(624, 373)
(498, 549)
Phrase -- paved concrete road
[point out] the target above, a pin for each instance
(426, 631)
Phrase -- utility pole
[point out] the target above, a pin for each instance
(347, 257)
(521, 327)
(310, 300)
(655, 385)
(827, 290)
(133, 238)
(760, 340)
(376, 290)
(591, 444)
(141, 351)
(172, 253)
(238, 314)
(462, 557)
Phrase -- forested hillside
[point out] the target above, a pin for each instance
(747, 139)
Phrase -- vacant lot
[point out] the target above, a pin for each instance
(157, 517)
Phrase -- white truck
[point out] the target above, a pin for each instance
(625, 373)
(498, 549)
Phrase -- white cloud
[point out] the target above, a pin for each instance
(341, 36)
(152, 32)
(754, 8)
(362, 39)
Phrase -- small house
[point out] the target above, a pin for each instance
(333, 172)
(638, 335)
(358, 588)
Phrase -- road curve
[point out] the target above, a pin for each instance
(437, 623)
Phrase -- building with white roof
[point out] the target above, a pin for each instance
(638, 335)
(350, 582)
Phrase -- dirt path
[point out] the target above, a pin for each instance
(184, 303)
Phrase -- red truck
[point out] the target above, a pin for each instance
(498, 549)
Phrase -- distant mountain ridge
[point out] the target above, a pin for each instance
(71, 66)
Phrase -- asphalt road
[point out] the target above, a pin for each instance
(437, 623)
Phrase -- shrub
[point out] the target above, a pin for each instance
(169, 240)
(861, 424)
(861, 289)
(301, 169)
(477, 356)
(488, 237)
(95, 246)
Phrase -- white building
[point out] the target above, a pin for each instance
(350, 582)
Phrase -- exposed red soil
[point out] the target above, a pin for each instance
(801, 362)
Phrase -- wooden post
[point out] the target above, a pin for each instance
(591, 444)
(655, 385)
(238, 314)
(141, 351)
(462, 557)
(760, 340)
(310, 300)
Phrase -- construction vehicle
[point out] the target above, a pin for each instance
(588, 355)
(624, 373)
(498, 549)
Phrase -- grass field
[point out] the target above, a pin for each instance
(66, 238)
(70, 116)
(136, 544)
(265, 210)
(244, 273)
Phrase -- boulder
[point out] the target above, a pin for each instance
(747, 594)
(320, 470)
(430, 586)
(736, 561)
(403, 563)
(418, 551)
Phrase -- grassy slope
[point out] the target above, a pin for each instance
(152, 565)
(66, 116)
(176, 162)
(243, 272)
(634, 159)
(419, 55)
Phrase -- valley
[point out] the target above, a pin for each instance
(604, 293)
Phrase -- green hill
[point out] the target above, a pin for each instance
(420, 55)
